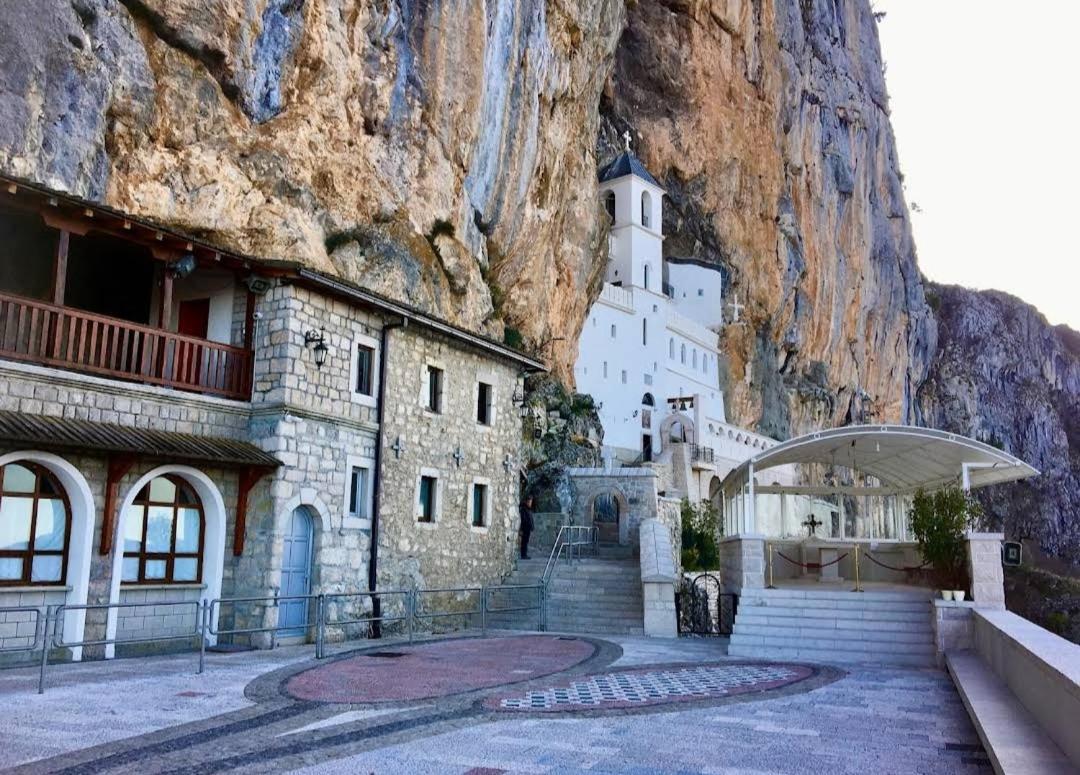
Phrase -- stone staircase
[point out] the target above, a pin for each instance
(600, 594)
(838, 626)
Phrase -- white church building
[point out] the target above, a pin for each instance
(649, 351)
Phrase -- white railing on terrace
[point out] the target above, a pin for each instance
(726, 433)
(690, 328)
(620, 297)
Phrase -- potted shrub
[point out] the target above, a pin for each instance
(939, 521)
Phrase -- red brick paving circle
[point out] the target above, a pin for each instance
(438, 669)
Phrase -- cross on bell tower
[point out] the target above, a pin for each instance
(626, 139)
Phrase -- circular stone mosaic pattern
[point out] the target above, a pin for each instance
(645, 687)
(438, 669)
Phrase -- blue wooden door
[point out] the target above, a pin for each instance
(296, 573)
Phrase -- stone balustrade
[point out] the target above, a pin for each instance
(658, 580)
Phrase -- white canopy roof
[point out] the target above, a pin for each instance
(903, 458)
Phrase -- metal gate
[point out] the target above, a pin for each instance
(703, 608)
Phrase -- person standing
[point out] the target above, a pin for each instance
(526, 525)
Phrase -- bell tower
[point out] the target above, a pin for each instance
(634, 201)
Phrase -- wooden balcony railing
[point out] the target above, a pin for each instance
(67, 338)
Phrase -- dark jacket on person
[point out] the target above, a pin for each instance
(526, 519)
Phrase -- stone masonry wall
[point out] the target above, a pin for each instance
(633, 488)
(449, 551)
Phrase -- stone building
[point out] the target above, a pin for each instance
(181, 423)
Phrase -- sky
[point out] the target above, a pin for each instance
(984, 97)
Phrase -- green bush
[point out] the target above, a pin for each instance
(700, 530)
(939, 521)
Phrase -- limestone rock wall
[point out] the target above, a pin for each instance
(768, 124)
(439, 152)
(1003, 375)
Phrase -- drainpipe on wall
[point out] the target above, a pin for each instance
(376, 492)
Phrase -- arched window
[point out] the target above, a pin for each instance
(163, 534)
(647, 400)
(644, 331)
(705, 363)
(646, 210)
(682, 354)
(695, 358)
(671, 348)
(646, 277)
(35, 522)
(609, 204)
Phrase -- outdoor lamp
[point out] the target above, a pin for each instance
(318, 338)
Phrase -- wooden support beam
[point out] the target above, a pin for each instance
(165, 318)
(60, 260)
(118, 466)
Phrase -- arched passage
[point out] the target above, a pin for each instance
(678, 428)
(608, 511)
(81, 536)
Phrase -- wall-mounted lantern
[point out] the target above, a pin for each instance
(318, 338)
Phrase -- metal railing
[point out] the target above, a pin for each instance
(701, 454)
(206, 615)
(569, 537)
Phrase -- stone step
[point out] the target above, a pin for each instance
(840, 645)
(834, 656)
(919, 637)
(922, 627)
(854, 614)
(844, 593)
(834, 604)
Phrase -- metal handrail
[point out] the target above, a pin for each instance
(539, 607)
(562, 543)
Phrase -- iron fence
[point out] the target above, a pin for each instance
(206, 617)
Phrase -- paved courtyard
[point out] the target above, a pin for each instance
(515, 703)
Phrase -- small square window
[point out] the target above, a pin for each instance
(428, 485)
(434, 389)
(365, 364)
(483, 403)
(479, 505)
(700, 291)
(358, 492)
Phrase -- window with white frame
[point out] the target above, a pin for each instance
(480, 504)
(484, 408)
(364, 383)
(427, 497)
(359, 492)
(433, 389)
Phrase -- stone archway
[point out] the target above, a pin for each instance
(81, 539)
(213, 557)
(608, 513)
(681, 423)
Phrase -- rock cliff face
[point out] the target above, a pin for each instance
(768, 124)
(441, 152)
(1003, 375)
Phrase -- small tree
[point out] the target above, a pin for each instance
(938, 522)
(700, 550)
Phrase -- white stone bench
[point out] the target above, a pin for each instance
(1011, 736)
(1021, 686)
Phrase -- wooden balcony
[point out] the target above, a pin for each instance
(62, 337)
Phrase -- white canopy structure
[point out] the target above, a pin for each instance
(885, 460)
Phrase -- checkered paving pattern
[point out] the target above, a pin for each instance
(630, 689)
